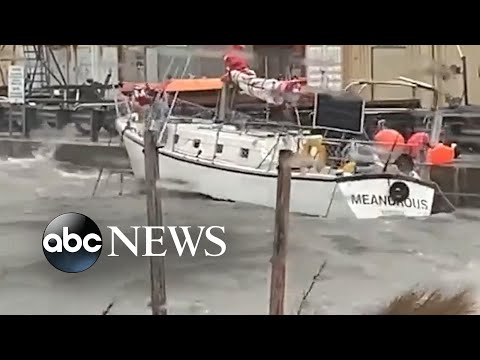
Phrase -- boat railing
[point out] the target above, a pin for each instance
(364, 84)
(122, 107)
(92, 105)
(246, 126)
(339, 150)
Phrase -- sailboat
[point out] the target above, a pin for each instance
(233, 157)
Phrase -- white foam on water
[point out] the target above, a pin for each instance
(42, 154)
(24, 163)
(82, 175)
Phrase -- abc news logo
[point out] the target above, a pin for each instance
(72, 242)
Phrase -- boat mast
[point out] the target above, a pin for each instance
(464, 74)
(437, 123)
(224, 105)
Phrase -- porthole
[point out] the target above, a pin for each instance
(244, 153)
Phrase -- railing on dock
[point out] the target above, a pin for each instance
(88, 117)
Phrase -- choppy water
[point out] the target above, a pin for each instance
(368, 262)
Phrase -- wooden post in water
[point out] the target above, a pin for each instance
(282, 211)
(63, 116)
(424, 172)
(10, 120)
(154, 215)
(95, 121)
(25, 122)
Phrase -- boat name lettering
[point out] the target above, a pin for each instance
(371, 199)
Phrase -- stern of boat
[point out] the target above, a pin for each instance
(372, 196)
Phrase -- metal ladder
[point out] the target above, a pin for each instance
(36, 74)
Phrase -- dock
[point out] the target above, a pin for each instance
(81, 152)
(460, 181)
(83, 137)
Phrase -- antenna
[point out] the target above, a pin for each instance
(464, 74)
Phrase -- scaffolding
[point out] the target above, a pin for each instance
(39, 61)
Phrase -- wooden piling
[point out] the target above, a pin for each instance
(25, 122)
(10, 120)
(154, 215)
(424, 172)
(282, 211)
(95, 124)
(31, 120)
(456, 186)
(62, 118)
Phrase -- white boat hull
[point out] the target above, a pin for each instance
(179, 174)
(366, 196)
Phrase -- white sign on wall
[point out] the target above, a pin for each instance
(324, 66)
(16, 84)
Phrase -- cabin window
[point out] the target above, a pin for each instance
(219, 148)
(176, 137)
(244, 153)
(196, 143)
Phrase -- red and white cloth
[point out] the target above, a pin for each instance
(272, 91)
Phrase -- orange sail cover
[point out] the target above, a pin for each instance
(180, 85)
